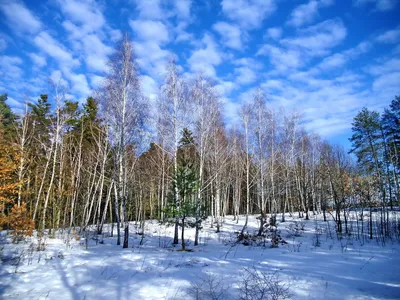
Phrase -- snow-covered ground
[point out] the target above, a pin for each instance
(314, 265)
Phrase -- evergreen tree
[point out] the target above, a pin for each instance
(367, 140)
(391, 133)
(7, 117)
(91, 109)
(368, 145)
(391, 129)
(41, 118)
(185, 181)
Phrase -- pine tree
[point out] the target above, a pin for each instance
(391, 133)
(391, 129)
(367, 140)
(7, 118)
(185, 181)
(41, 118)
(368, 145)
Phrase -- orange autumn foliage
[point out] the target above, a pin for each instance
(20, 223)
(8, 180)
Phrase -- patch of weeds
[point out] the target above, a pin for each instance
(256, 285)
(209, 286)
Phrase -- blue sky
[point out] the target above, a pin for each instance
(324, 58)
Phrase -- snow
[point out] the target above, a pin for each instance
(314, 265)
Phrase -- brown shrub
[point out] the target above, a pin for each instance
(20, 223)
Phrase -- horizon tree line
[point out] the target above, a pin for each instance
(70, 166)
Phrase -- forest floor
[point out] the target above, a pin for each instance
(312, 263)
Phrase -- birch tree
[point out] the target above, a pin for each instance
(123, 106)
(206, 115)
(246, 115)
(24, 136)
(173, 106)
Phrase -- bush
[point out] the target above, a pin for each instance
(209, 287)
(256, 285)
(20, 223)
(297, 228)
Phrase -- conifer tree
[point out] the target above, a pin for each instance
(7, 118)
(186, 179)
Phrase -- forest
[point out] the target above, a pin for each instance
(120, 158)
(112, 160)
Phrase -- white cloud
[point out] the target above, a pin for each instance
(281, 58)
(245, 75)
(150, 9)
(183, 36)
(78, 84)
(330, 126)
(230, 34)
(182, 8)
(247, 61)
(248, 13)
(224, 88)
(306, 13)
(96, 63)
(85, 13)
(246, 72)
(274, 33)
(75, 33)
(334, 61)
(151, 58)
(20, 18)
(322, 101)
(297, 51)
(272, 84)
(182, 11)
(86, 26)
(386, 86)
(389, 66)
(338, 60)
(14, 103)
(150, 30)
(230, 110)
(55, 49)
(96, 53)
(150, 88)
(96, 81)
(9, 66)
(307, 79)
(115, 35)
(206, 58)
(38, 60)
(390, 80)
(390, 36)
(57, 78)
(303, 14)
(318, 39)
(380, 5)
(154, 15)
(348, 76)
(361, 48)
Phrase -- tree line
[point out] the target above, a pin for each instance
(113, 160)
